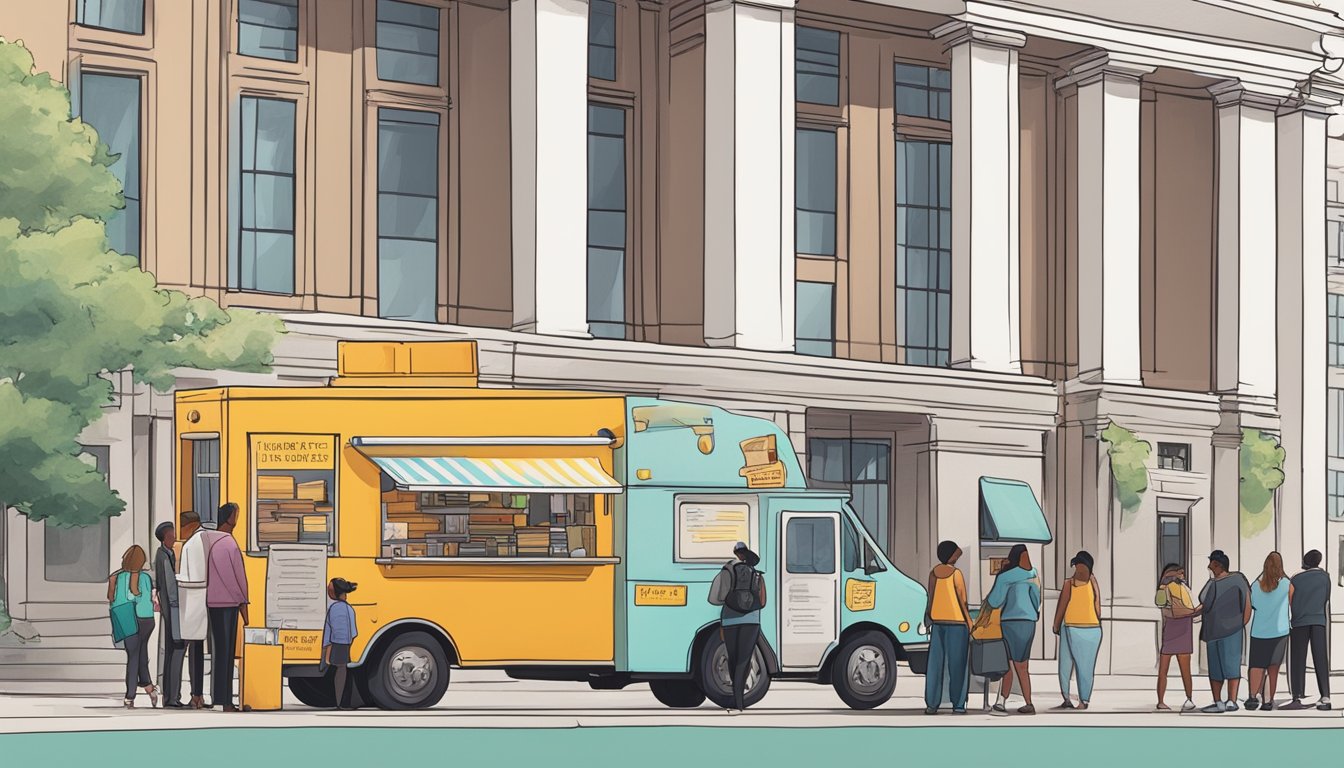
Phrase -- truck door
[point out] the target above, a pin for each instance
(809, 594)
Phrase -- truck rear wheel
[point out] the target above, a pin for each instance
(713, 679)
(678, 694)
(411, 672)
(864, 670)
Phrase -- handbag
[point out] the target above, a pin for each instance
(123, 618)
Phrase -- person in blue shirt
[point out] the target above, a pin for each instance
(1017, 592)
(338, 633)
(1270, 597)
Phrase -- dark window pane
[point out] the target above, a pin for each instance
(817, 63)
(923, 91)
(408, 42)
(408, 211)
(815, 192)
(607, 224)
(811, 545)
(814, 319)
(111, 104)
(268, 29)
(117, 15)
(261, 244)
(602, 39)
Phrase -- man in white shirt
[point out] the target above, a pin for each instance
(191, 584)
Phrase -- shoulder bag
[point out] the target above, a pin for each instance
(122, 615)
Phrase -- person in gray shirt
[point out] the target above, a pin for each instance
(170, 627)
(1225, 604)
(1309, 608)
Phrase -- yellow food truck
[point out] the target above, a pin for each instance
(553, 535)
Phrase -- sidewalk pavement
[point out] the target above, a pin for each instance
(487, 699)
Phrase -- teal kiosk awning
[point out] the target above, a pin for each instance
(1009, 512)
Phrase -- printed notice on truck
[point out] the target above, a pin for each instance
(708, 530)
(296, 586)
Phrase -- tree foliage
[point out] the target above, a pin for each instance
(1261, 474)
(1129, 465)
(72, 310)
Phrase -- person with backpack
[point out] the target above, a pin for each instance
(740, 589)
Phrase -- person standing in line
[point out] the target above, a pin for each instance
(192, 612)
(740, 589)
(1178, 634)
(132, 584)
(1310, 607)
(165, 576)
(1269, 632)
(1078, 624)
(226, 600)
(1225, 605)
(338, 632)
(948, 618)
(1017, 591)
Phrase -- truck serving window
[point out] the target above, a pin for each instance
(294, 490)
(708, 527)
(489, 525)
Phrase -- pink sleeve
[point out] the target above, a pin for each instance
(239, 574)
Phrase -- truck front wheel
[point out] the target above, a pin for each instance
(411, 672)
(678, 694)
(864, 670)
(713, 679)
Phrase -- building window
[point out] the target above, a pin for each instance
(408, 43)
(1335, 410)
(606, 221)
(111, 104)
(269, 29)
(814, 319)
(924, 251)
(860, 466)
(923, 92)
(814, 189)
(817, 63)
(80, 554)
(1335, 488)
(1172, 538)
(1336, 329)
(116, 15)
(602, 39)
(1173, 456)
(261, 252)
(1334, 241)
(408, 214)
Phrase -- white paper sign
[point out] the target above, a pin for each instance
(296, 586)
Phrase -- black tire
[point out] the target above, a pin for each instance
(409, 672)
(320, 692)
(316, 692)
(864, 670)
(678, 694)
(711, 674)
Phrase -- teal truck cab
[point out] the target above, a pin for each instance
(698, 479)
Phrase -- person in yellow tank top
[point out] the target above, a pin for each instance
(949, 622)
(1078, 624)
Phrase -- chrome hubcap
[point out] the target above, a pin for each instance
(723, 677)
(867, 669)
(411, 670)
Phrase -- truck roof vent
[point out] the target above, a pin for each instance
(406, 364)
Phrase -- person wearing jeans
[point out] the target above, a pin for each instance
(1017, 592)
(1309, 607)
(132, 584)
(1078, 624)
(949, 621)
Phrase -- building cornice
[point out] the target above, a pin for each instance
(954, 33)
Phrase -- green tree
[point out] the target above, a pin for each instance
(72, 310)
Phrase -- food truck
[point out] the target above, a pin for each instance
(553, 535)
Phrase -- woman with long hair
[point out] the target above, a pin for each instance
(1269, 632)
(1017, 592)
(1178, 633)
(132, 584)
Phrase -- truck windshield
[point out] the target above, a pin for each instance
(857, 545)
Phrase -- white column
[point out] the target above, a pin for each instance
(1246, 203)
(1302, 325)
(1108, 220)
(986, 297)
(749, 200)
(548, 83)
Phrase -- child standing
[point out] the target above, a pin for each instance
(338, 633)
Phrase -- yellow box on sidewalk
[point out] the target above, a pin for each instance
(262, 680)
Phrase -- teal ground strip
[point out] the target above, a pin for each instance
(683, 747)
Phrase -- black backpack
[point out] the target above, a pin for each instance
(746, 591)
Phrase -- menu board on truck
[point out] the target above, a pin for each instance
(296, 586)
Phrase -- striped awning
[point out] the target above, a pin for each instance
(437, 473)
